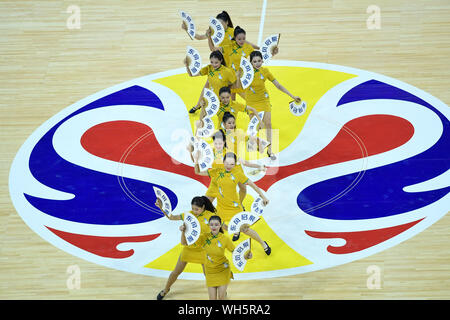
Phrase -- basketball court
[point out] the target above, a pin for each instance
(95, 117)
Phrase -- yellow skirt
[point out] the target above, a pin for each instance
(193, 255)
(263, 105)
(227, 213)
(216, 278)
(237, 90)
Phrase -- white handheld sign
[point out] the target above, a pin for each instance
(194, 60)
(239, 252)
(207, 130)
(189, 22)
(247, 73)
(219, 33)
(193, 228)
(213, 102)
(252, 128)
(258, 206)
(206, 154)
(269, 45)
(297, 109)
(161, 195)
(240, 219)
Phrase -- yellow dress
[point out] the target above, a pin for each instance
(213, 190)
(218, 78)
(237, 141)
(195, 253)
(217, 266)
(232, 54)
(232, 107)
(228, 203)
(256, 94)
(229, 35)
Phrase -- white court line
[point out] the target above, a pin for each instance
(261, 23)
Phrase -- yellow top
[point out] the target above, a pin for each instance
(229, 35)
(218, 78)
(257, 91)
(218, 157)
(214, 247)
(203, 219)
(227, 181)
(236, 142)
(233, 52)
(232, 107)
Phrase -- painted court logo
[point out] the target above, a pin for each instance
(365, 168)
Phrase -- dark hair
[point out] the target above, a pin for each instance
(224, 89)
(238, 30)
(221, 135)
(216, 218)
(203, 201)
(255, 53)
(227, 115)
(218, 55)
(225, 17)
(230, 155)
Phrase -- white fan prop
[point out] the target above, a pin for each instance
(206, 154)
(193, 228)
(207, 130)
(297, 109)
(212, 102)
(252, 128)
(161, 195)
(268, 45)
(258, 206)
(239, 252)
(240, 219)
(187, 19)
(219, 33)
(194, 60)
(247, 74)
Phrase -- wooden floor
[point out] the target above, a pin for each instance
(45, 67)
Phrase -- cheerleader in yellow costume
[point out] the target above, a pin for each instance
(219, 75)
(217, 267)
(257, 96)
(202, 209)
(233, 52)
(238, 140)
(219, 150)
(227, 105)
(228, 201)
(227, 24)
(225, 19)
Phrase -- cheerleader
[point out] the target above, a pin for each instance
(217, 267)
(202, 209)
(236, 138)
(225, 19)
(228, 201)
(226, 22)
(256, 94)
(219, 150)
(233, 51)
(228, 105)
(219, 75)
